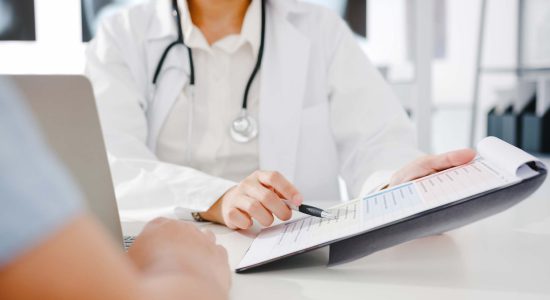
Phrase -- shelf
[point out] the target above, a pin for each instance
(513, 70)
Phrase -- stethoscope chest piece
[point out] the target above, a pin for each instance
(244, 128)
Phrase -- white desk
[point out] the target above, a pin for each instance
(503, 257)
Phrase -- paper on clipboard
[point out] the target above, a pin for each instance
(375, 210)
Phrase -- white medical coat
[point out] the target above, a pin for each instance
(325, 111)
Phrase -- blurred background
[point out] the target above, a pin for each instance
(462, 68)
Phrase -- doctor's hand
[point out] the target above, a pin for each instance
(430, 164)
(259, 196)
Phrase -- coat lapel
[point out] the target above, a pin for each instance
(174, 73)
(283, 83)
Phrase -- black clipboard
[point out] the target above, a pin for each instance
(429, 222)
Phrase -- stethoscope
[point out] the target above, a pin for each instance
(244, 128)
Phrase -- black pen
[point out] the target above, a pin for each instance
(312, 211)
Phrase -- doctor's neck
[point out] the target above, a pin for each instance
(218, 18)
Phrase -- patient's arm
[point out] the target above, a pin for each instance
(81, 262)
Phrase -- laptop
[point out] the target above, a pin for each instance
(64, 107)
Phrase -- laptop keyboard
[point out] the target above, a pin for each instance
(128, 241)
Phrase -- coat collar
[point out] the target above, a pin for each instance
(250, 31)
(163, 25)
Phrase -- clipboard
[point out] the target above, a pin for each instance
(433, 220)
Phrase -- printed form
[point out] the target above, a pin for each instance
(378, 209)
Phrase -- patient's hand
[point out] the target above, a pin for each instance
(430, 164)
(170, 247)
(259, 196)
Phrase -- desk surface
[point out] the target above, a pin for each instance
(506, 256)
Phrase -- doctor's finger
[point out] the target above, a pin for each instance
(281, 186)
(270, 200)
(237, 219)
(255, 209)
(448, 160)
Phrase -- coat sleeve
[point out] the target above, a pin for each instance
(373, 134)
(145, 187)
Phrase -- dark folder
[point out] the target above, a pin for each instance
(435, 221)
(508, 177)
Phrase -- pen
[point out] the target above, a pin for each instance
(312, 211)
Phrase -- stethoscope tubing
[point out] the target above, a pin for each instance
(259, 60)
(181, 41)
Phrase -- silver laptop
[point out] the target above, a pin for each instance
(64, 107)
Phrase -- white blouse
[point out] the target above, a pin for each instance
(196, 132)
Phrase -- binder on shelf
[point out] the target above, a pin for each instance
(535, 121)
(536, 132)
(525, 93)
(506, 99)
(504, 120)
(494, 123)
(543, 96)
(505, 125)
(500, 177)
(508, 126)
(511, 127)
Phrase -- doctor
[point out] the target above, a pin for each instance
(220, 109)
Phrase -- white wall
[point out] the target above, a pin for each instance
(58, 48)
(453, 76)
(537, 37)
(387, 38)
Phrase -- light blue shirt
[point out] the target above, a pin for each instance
(36, 195)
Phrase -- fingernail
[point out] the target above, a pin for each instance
(297, 199)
